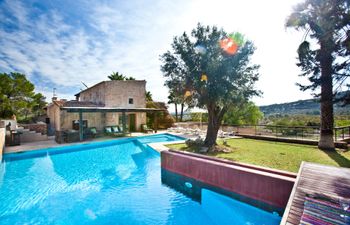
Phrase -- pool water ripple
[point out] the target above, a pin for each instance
(115, 183)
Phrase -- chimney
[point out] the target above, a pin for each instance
(54, 96)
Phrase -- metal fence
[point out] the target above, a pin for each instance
(342, 133)
(292, 132)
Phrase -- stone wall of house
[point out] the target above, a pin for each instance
(140, 119)
(99, 120)
(117, 93)
(94, 120)
(2, 138)
(53, 112)
(95, 93)
(112, 119)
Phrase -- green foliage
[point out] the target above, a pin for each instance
(17, 97)
(148, 95)
(246, 113)
(293, 120)
(342, 122)
(196, 117)
(304, 120)
(119, 76)
(197, 143)
(165, 120)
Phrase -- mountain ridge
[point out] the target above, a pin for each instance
(307, 106)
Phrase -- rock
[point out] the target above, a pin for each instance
(203, 150)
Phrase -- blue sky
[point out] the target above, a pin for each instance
(59, 44)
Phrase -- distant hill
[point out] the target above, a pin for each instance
(308, 107)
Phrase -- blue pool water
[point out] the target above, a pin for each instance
(112, 182)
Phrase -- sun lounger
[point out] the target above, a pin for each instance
(90, 132)
(145, 128)
(115, 130)
(108, 130)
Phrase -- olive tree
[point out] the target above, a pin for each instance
(216, 69)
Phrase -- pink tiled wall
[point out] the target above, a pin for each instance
(272, 187)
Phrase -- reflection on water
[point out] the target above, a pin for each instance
(180, 184)
(225, 210)
(194, 189)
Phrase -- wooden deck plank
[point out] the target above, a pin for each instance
(315, 179)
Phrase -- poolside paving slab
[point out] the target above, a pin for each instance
(51, 143)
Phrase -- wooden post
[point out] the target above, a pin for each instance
(124, 122)
(81, 132)
(155, 122)
(256, 132)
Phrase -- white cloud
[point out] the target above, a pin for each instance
(129, 37)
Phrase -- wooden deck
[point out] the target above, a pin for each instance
(315, 178)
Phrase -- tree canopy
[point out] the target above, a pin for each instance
(17, 97)
(327, 30)
(148, 95)
(324, 55)
(214, 69)
(244, 114)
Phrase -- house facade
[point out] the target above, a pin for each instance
(126, 95)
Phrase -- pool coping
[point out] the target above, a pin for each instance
(161, 146)
(58, 149)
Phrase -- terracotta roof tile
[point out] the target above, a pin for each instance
(75, 103)
(60, 103)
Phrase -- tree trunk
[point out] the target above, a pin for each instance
(212, 130)
(182, 111)
(176, 115)
(326, 141)
(215, 115)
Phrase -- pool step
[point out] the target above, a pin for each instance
(22, 129)
(31, 136)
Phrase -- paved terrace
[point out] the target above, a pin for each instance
(52, 143)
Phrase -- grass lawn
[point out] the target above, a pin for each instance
(283, 156)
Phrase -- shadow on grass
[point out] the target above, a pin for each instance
(338, 158)
(189, 149)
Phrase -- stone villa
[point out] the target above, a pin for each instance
(101, 105)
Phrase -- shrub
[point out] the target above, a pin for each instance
(197, 143)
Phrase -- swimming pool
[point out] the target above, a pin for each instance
(112, 182)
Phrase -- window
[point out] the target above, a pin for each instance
(131, 101)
